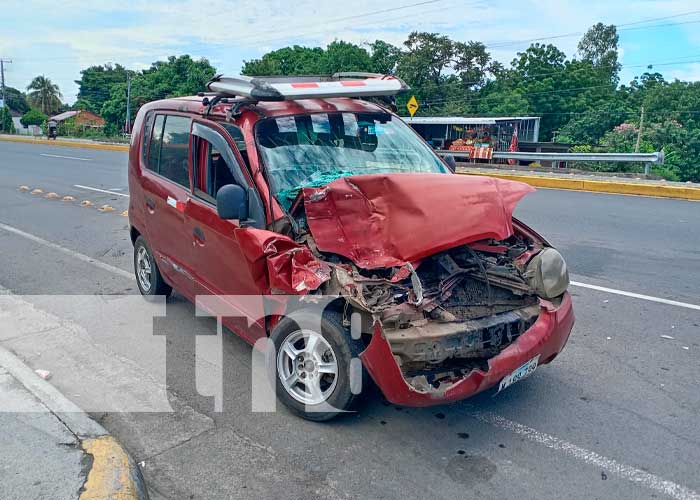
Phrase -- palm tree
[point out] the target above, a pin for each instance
(44, 95)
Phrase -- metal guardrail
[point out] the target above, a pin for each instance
(646, 158)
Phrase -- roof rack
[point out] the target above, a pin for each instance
(285, 88)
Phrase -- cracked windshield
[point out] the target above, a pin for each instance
(313, 150)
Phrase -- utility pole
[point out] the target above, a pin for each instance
(639, 133)
(127, 128)
(2, 78)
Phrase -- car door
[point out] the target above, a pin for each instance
(166, 184)
(220, 267)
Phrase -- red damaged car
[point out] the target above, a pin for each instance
(270, 187)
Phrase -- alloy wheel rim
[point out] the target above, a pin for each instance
(307, 367)
(143, 269)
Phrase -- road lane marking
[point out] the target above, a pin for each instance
(80, 186)
(609, 465)
(621, 470)
(64, 157)
(637, 295)
(67, 251)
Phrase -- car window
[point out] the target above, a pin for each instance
(174, 151)
(311, 150)
(238, 138)
(154, 149)
(147, 128)
(212, 171)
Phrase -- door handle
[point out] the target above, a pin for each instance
(150, 203)
(198, 235)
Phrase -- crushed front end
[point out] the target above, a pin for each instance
(452, 308)
(458, 321)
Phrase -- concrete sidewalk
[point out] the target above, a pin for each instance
(53, 450)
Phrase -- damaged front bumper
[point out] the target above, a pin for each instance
(546, 338)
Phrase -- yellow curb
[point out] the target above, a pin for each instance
(597, 186)
(113, 475)
(51, 195)
(68, 198)
(106, 208)
(70, 144)
(37, 191)
(86, 203)
(24, 189)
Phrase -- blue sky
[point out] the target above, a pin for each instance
(60, 37)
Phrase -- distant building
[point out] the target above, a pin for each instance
(81, 118)
(442, 131)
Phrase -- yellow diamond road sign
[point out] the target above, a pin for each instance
(412, 105)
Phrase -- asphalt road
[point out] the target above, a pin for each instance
(615, 416)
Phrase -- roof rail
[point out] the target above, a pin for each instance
(286, 88)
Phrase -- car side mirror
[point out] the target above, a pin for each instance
(232, 202)
(451, 163)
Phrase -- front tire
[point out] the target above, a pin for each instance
(148, 277)
(318, 375)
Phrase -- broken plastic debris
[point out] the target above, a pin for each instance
(606, 301)
(44, 374)
(685, 347)
(668, 337)
(142, 463)
(608, 338)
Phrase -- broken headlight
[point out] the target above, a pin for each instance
(547, 274)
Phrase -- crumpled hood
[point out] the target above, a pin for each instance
(386, 220)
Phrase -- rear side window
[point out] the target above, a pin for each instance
(154, 149)
(147, 128)
(174, 150)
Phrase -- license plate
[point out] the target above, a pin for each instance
(519, 373)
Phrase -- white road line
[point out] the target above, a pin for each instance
(637, 295)
(67, 251)
(609, 465)
(79, 186)
(65, 157)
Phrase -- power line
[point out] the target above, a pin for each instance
(620, 27)
(544, 92)
(563, 70)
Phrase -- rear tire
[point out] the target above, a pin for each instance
(324, 361)
(148, 277)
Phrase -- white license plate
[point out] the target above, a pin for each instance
(519, 373)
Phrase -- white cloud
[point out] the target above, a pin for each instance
(691, 73)
(60, 38)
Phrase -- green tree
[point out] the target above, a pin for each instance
(178, 76)
(44, 94)
(16, 100)
(6, 125)
(33, 117)
(599, 47)
(385, 57)
(95, 86)
(294, 60)
(344, 56)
